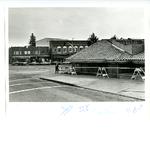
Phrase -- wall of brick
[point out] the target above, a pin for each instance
(65, 48)
(41, 50)
(127, 48)
(131, 48)
(137, 48)
(24, 53)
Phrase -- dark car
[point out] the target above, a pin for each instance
(19, 63)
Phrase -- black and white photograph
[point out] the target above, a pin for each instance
(75, 75)
(76, 54)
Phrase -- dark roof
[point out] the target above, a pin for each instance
(126, 56)
(104, 50)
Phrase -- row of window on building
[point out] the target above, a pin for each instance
(26, 52)
(70, 49)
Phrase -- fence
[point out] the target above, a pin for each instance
(113, 72)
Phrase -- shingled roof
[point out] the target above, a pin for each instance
(104, 51)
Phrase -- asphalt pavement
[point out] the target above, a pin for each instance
(25, 85)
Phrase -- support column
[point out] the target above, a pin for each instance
(117, 71)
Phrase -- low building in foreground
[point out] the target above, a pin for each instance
(117, 58)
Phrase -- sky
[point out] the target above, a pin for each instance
(74, 22)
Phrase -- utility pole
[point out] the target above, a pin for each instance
(72, 45)
(72, 41)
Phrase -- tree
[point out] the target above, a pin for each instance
(92, 39)
(32, 41)
(114, 37)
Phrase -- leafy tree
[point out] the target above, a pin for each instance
(92, 39)
(114, 37)
(32, 41)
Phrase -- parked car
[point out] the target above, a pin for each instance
(34, 63)
(45, 63)
(19, 63)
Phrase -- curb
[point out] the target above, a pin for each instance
(58, 81)
(43, 78)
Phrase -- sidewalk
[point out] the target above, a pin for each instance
(124, 87)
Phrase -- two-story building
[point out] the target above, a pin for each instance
(29, 54)
(60, 50)
(47, 50)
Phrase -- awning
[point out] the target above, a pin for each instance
(61, 56)
(66, 62)
(41, 56)
(55, 62)
(21, 56)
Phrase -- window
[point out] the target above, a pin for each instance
(28, 52)
(36, 52)
(20, 52)
(81, 47)
(75, 49)
(70, 49)
(86, 46)
(54, 50)
(39, 52)
(47, 51)
(17, 52)
(25, 52)
(59, 49)
(14, 52)
(64, 49)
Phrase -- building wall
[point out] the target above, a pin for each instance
(88, 68)
(127, 48)
(112, 72)
(130, 41)
(28, 51)
(65, 48)
(42, 42)
(51, 50)
(24, 53)
(115, 70)
(137, 48)
(131, 48)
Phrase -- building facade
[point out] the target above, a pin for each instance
(60, 50)
(47, 50)
(29, 54)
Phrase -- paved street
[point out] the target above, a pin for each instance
(25, 86)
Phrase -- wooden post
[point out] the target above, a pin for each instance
(117, 72)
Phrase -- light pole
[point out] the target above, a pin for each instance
(72, 41)
(72, 44)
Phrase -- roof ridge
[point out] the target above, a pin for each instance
(118, 47)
